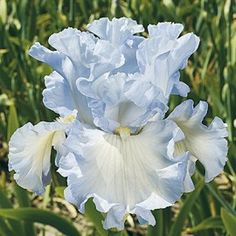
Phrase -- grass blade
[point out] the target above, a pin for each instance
(158, 229)
(209, 223)
(23, 200)
(95, 216)
(13, 123)
(229, 221)
(43, 217)
(15, 225)
(177, 226)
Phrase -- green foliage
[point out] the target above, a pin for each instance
(95, 216)
(210, 209)
(41, 216)
(229, 221)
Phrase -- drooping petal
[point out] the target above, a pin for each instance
(58, 96)
(119, 101)
(30, 151)
(124, 174)
(76, 45)
(58, 61)
(206, 144)
(63, 98)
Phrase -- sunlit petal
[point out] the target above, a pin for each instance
(30, 151)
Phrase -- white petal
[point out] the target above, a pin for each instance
(30, 151)
(207, 144)
(124, 173)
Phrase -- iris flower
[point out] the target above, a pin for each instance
(114, 141)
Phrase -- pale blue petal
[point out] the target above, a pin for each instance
(161, 56)
(58, 95)
(116, 31)
(58, 61)
(118, 101)
(115, 218)
(186, 46)
(109, 58)
(129, 49)
(145, 216)
(165, 29)
(207, 144)
(63, 98)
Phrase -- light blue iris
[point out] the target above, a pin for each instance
(111, 87)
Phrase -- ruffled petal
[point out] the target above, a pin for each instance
(90, 57)
(206, 144)
(58, 96)
(117, 31)
(58, 61)
(29, 153)
(161, 56)
(109, 58)
(119, 101)
(165, 29)
(124, 174)
(76, 45)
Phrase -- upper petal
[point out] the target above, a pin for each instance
(29, 153)
(165, 29)
(117, 31)
(161, 56)
(58, 61)
(63, 98)
(120, 101)
(207, 144)
(124, 175)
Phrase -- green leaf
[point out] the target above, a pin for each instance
(209, 223)
(95, 217)
(176, 228)
(4, 229)
(24, 201)
(15, 225)
(158, 229)
(3, 11)
(218, 196)
(229, 221)
(43, 217)
(13, 122)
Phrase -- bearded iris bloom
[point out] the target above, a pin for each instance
(114, 142)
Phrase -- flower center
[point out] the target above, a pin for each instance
(67, 119)
(124, 132)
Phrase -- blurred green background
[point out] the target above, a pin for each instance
(211, 74)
